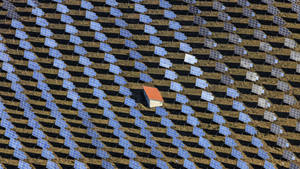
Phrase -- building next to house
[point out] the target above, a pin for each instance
(153, 96)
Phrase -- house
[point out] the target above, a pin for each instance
(153, 96)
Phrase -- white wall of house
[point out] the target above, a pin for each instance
(155, 103)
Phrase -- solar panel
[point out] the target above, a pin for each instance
(43, 86)
(95, 26)
(12, 77)
(51, 165)
(218, 6)
(23, 165)
(224, 130)
(226, 79)
(120, 22)
(66, 19)
(223, 16)
(174, 25)
(46, 32)
(166, 63)
(295, 55)
(276, 129)
(237, 154)
(282, 142)
(176, 142)
(229, 27)
(198, 132)
(169, 74)
(190, 59)
(263, 103)
(256, 142)
(77, 164)
(50, 43)
(8, 67)
(288, 155)
(145, 78)
(155, 40)
(62, 124)
(105, 47)
(239, 50)
(91, 15)
(120, 80)
(278, 20)
(166, 122)
(64, 74)
(16, 87)
(271, 59)
(181, 98)
(250, 130)
(99, 93)
(101, 153)
(140, 8)
(192, 120)
(75, 39)
(216, 55)
(218, 119)
(164, 4)
(183, 153)
(10, 133)
(89, 72)
(176, 86)
(134, 54)
(19, 154)
(129, 153)
(106, 164)
(134, 164)
(5, 58)
(86, 5)
(124, 143)
(266, 47)
(12, 14)
(294, 166)
(161, 111)
(150, 29)
(201, 83)
(243, 3)
(298, 126)
(68, 85)
(169, 14)
(221, 67)
(47, 154)
(111, 3)
(71, 29)
(273, 10)
(215, 164)
(146, 133)
(145, 19)
(234, 38)
(38, 133)
(110, 58)
(172, 133)
(248, 12)
(284, 31)
(199, 20)
(135, 113)
(259, 90)
(283, 86)
(252, 76)
(130, 102)
(16, 24)
(125, 33)
(55, 53)
(84, 61)
(246, 63)
(72, 95)
(125, 91)
(185, 47)
(268, 1)
(130, 44)
(232, 93)
(230, 142)
(41, 22)
(23, 44)
(254, 23)
(21, 34)
(207, 96)
(78, 105)
(6, 124)
(291, 43)
(34, 124)
(210, 43)
(104, 103)
(97, 143)
(194, 10)
(62, 8)
(115, 12)
(290, 100)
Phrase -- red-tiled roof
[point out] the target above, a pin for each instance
(153, 93)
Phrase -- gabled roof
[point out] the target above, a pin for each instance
(153, 93)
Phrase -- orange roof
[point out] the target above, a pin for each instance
(153, 93)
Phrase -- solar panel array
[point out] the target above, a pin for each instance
(72, 76)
